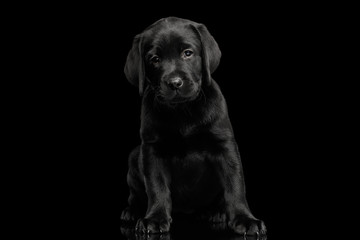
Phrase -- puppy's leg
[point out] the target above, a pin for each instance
(238, 215)
(137, 199)
(157, 180)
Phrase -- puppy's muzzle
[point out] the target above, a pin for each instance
(175, 83)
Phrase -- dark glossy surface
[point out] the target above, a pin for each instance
(183, 229)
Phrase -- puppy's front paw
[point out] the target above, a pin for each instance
(153, 225)
(245, 225)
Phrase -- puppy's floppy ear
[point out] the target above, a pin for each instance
(211, 53)
(134, 67)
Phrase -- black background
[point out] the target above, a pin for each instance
(272, 60)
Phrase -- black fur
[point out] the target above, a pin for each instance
(188, 159)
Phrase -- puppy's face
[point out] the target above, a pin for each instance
(173, 58)
(173, 64)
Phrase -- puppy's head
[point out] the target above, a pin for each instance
(173, 57)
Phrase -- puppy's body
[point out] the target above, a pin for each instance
(188, 159)
(189, 138)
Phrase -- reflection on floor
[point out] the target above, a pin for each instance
(185, 229)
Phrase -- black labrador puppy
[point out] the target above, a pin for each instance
(188, 159)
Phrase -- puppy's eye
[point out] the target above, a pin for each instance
(187, 53)
(155, 59)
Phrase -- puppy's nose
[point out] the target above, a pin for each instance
(175, 83)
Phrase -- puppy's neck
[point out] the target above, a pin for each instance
(206, 107)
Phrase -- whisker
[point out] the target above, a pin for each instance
(202, 95)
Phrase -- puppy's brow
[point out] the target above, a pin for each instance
(186, 45)
(151, 51)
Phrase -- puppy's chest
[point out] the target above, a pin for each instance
(194, 181)
(184, 140)
(189, 170)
